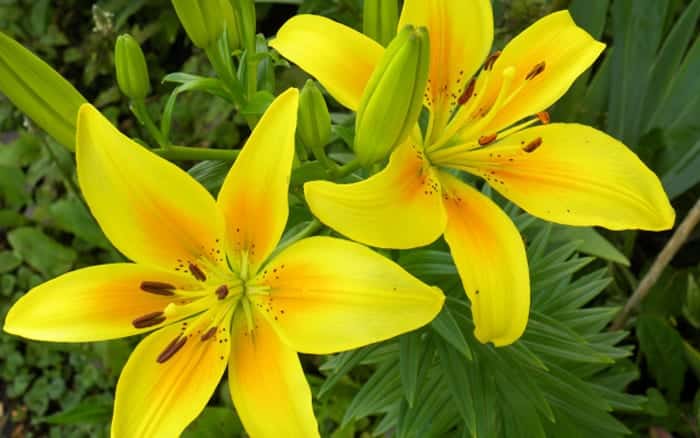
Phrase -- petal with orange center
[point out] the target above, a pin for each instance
(574, 175)
(96, 303)
(328, 295)
(267, 383)
(254, 194)
(399, 207)
(547, 57)
(491, 261)
(461, 34)
(339, 57)
(169, 378)
(150, 209)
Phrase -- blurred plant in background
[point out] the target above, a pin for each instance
(568, 367)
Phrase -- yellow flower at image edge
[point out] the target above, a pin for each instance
(206, 280)
(482, 124)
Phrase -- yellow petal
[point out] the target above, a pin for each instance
(329, 295)
(150, 209)
(576, 176)
(461, 34)
(155, 399)
(491, 261)
(267, 383)
(254, 194)
(92, 304)
(566, 51)
(341, 58)
(399, 207)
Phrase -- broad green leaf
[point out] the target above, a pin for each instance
(92, 410)
(71, 215)
(692, 355)
(412, 356)
(446, 326)
(41, 252)
(39, 91)
(210, 174)
(215, 422)
(8, 261)
(663, 349)
(684, 174)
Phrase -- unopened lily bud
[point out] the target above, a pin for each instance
(393, 98)
(203, 20)
(132, 72)
(244, 11)
(379, 20)
(232, 32)
(314, 121)
(691, 308)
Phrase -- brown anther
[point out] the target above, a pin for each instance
(534, 144)
(173, 347)
(222, 291)
(467, 94)
(543, 117)
(209, 334)
(148, 320)
(487, 139)
(491, 60)
(536, 70)
(158, 288)
(196, 272)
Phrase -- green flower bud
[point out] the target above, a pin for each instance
(393, 98)
(379, 20)
(39, 91)
(231, 20)
(132, 72)
(691, 307)
(203, 20)
(245, 14)
(314, 121)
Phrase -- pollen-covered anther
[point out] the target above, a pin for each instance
(534, 144)
(467, 93)
(158, 288)
(148, 320)
(196, 272)
(487, 139)
(536, 70)
(543, 117)
(221, 291)
(173, 347)
(491, 60)
(209, 334)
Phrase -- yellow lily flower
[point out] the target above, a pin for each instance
(206, 278)
(564, 173)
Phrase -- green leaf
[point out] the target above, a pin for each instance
(257, 105)
(39, 91)
(692, 355)
(591, 242)
(210, 174)
(41, 252)
(663, 349)
(12, 186)
(71, 215)
(8, 261)
(446, 326)
(215, 422)
(92, 410)
(413, 352)
(684, 174)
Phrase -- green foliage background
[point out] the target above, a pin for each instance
(568, 376)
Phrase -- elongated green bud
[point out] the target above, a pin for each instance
(232, 30)
(39, 91)
(379, 20)
(393, 98)
(132, 72)
(244, 11)
(314, 121)
(203, 20)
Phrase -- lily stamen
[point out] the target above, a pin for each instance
(148, 320)
(157, 288)
(536, 70)
(196, 272)
(173, 347)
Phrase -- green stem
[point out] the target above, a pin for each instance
(320, 154)
(252, 76)
(185, 153)
(224, 70)
(138, 107)
(346, 169)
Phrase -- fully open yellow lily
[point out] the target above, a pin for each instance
(206, 277)
(564, 173)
